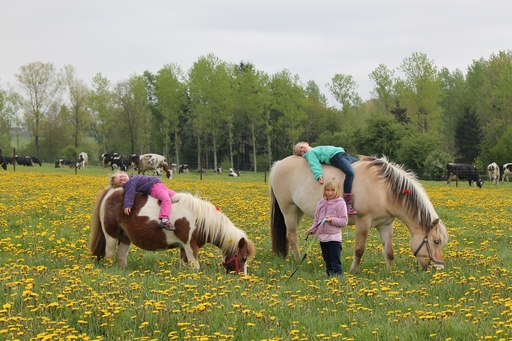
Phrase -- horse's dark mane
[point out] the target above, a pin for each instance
(404, 187)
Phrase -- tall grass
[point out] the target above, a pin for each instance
(51, 288)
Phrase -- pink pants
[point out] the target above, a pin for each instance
(161, 192)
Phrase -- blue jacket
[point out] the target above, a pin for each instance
(138, 183)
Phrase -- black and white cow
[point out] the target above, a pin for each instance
(83, 160)
(135, 162)
(60, 163)
(36, 160)
(494, 173)
(233, 173)
(507, 170)
(463, 171)
(154, 162)
(183, 169)
(24, 161)
(106, 159)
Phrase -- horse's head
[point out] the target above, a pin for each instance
(237, 261)
(427, 248)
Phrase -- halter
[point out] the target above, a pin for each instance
(431, 258)
(233, 258)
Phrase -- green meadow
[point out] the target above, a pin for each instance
(52, 289)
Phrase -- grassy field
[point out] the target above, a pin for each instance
(51, 288)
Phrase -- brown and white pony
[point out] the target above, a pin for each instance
(197, 222)
(382, 191)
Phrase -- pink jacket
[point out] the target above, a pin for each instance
(337, 210)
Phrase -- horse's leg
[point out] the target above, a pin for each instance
(386, 237)
(292, 218)
(110, 246)
(122, 253)
(189, 254)
(362, 228)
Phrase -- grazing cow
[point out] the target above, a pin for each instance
(507, 170)
(60, 163)
(154, 162)
(463, 171)
(494, 173)
(233, 173)
(24, 161)
(174, 167)
(135, 161)
(83, 160)
(35, 160)
(106, 159)
(120, 161)
(183, 169)
(218, 170)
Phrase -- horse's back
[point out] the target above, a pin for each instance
(292, 182)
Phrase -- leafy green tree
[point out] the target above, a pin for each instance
(210, 90)
(422, 93)
(102, 107)
(415, 149)
(171, 97)
(134, 116)
(383, 90)
(7, 120)
(382, 136)
(468, 136)
(252, 101)
(39, 85)
(77, 94)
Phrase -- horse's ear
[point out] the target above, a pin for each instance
(435, 222)
(241, 243)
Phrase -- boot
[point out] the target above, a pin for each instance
(348, 200)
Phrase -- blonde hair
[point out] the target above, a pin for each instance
(334, 182)
(296, 147)
(113, 179)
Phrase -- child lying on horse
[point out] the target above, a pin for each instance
(148, 185)
(329, 155)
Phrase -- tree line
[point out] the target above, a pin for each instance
(234, 115)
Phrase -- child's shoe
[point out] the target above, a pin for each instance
(167, 225)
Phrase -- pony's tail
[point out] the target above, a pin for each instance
(280, 244)
(97, 242)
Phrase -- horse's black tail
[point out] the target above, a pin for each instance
(97, 242)
(280, 245)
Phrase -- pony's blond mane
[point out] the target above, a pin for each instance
(405, 188)
(212, 223)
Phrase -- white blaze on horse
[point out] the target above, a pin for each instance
(197, 222)
(154, 162)
(494, 173)
(382, 192)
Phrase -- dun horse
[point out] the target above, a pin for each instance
(382, 192)
(197, 222)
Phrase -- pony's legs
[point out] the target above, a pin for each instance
(122, 254)
(110, 247)
(188, 255)
(386, 237)
(362, 228)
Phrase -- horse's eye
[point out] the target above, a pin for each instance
(244, 259)
(437, 242)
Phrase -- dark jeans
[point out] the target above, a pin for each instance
(331, 252)
(343, 162)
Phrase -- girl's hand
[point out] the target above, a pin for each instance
(328, 219)
(321, 180)
(127, 211)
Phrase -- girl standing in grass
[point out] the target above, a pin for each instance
(333, 208)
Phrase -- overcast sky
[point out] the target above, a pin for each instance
(312, 39)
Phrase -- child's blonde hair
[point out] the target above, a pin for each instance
(296, 150)
(334, 182)
(113, 178)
